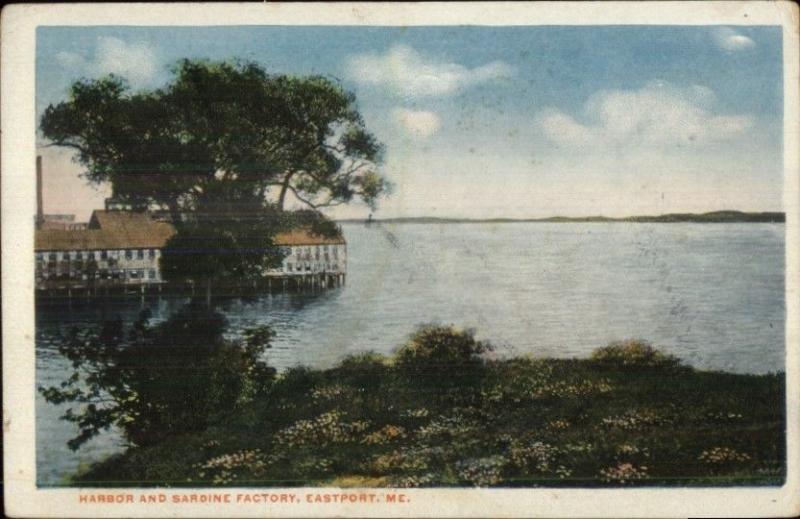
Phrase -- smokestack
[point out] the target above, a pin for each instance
(39, 203)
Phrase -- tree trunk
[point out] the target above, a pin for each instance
(174, 213)
(284, 189)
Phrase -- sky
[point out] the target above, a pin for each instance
(482, 122)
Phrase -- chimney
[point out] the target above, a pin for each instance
(39, 203)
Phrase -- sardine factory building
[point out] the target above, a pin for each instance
(122, 249)
(115, 249)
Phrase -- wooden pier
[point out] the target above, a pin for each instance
(308, 282)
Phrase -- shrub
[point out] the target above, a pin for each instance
(365, 370)
(634, 353)
(155, 381)
(443, 359)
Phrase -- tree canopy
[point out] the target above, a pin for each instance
(220, 123)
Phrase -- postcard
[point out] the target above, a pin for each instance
(401, 260)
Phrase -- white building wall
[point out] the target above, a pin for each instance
(141, 266)
(307, 259)
(124, 266)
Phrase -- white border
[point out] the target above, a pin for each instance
(19, 22)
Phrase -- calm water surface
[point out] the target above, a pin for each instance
(712, 294)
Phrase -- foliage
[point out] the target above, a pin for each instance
(534, 422)
(445, 361)
(156, 381)
(228, 238)
(441, 348)
(220, 123)
(317, 223)
(634, 352)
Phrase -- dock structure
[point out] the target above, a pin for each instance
(269, 284)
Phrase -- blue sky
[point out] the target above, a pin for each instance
(497, 121)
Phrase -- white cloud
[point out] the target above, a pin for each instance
(137, 62)
(406, 72)
(728, 39)
(417, 123)
(657, 115)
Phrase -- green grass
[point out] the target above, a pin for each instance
(522, 422)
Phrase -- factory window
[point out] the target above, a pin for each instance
(128, 254)
(151, 273)
(103, 254)
(140, 254)
(151, 253)
(52, 256)
(133, 274)
(289, 267)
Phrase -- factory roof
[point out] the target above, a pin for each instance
(109, 230)
(303, 236)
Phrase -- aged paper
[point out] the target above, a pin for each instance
(400, 260)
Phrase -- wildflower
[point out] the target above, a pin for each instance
(227, 467)
(325, 429)
(558, 425)
(579, 446)
(627, 450)
(635, 419)
(563, 472)
(333, 392)
(722, 455)
(415, 481)
(481, 472)
(447, 427)
(723, 416)
(406, 460)
(536, 455)
(415, 413)
(386, 434)
(623, 473)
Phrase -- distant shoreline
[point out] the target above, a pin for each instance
(711, 217)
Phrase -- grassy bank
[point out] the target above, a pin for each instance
(439, 413)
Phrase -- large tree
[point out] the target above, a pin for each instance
(220, 123)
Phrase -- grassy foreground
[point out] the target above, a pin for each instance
(439, 413)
